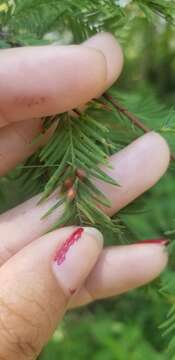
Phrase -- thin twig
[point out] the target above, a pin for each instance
(133, 118)
(77, 112)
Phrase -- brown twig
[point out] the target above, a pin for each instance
(133, 118)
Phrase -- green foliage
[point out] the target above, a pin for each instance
(126, 329)
(82, 18)
(72, 156)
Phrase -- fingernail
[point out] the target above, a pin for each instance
(74, 259)
(108, 45)
(164, 242)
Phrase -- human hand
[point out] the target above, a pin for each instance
(42, 276)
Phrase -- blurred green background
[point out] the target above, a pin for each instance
(126, 327)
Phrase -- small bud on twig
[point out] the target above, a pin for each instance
(68, 183)
(81, 174)
(71, 194)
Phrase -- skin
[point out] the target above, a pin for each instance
(35, 293)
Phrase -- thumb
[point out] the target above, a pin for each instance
(37, 284)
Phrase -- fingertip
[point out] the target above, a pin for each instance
(96, 70)
(153, 154)
(123, 268)
(109, 46)
(136, 168)
(120, 269)
(84, 73)
(151, 261)
(95, 234)
(74, 259)
(160, 150)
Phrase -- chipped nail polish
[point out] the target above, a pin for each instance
(164, 242)
(60, 255)
(74, 259)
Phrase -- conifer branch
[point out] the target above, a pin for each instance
(133, 118)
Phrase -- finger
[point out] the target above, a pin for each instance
(16, 140)
(36, 286)
(136, 168)
(109, 46)
(20, 140)
(48, 80)
(120, 269)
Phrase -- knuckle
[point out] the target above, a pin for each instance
(3, 118)
(19, 335)
(5, 253)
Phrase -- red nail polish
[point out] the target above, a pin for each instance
(60, 255)
(164, 242)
